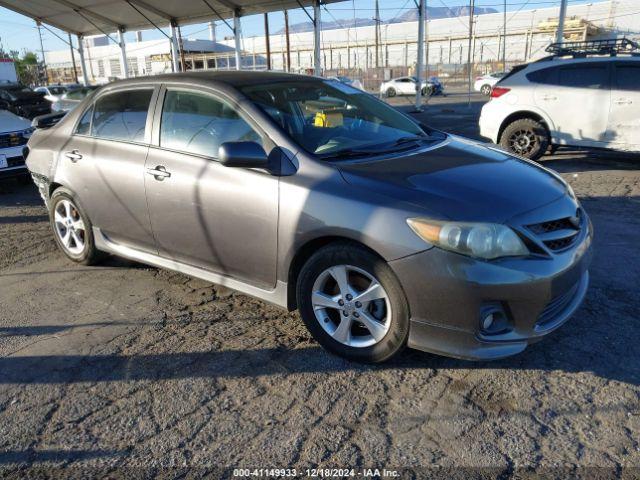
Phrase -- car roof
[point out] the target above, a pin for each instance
(231, 78)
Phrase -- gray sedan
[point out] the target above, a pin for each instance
(311, 194)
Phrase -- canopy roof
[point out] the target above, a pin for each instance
(93, 17)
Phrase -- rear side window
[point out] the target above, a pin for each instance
(576, 76)
(584, 76)
(122, 115)
(627, 77)
(199, 123)
(84, 125)
(546, 76)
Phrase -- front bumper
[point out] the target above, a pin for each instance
(15, 162)
(31, 111)
(448, 294)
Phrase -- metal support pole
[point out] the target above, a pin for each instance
(317, 67)
(421, 16)
(212, 31)
(44, 62)
(286, 33)
(73, 58)
(504, 37)
(124, 66)
(175, 64)
(426, 41)
(377, 19)
(266, 39)
(236, 37)
(83, 65)
(561, 17)
(469, 64)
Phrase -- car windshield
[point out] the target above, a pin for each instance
(329, 119)
(57, 90)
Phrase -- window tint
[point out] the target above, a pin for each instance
(628, 77)
(84, 125)
(584, 76)
(122, 115)
(199, 123)
(548, 76)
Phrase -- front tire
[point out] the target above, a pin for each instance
(353, 304)
(485, 90)
(526, 137)
(391, 92)
(72, 228)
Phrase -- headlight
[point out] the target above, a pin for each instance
(482, 240)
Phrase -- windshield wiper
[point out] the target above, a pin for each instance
(413, 138)
(348, 153)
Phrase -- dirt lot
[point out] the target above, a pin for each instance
(122, 365)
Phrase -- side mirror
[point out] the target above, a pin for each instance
(243, 154)
(48, 120)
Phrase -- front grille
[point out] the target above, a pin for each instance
(560, 233)
(556, 306)
(12, 140)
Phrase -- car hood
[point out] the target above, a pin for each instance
(12, 123)
(460, 180)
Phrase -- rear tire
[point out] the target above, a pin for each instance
(526, 137)
(72, 228)
(330, 294)
(391, 92)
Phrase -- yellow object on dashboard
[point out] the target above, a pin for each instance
(328, 119)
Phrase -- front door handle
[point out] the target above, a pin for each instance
(622, 101)
(73, 155)
(159, 173)
(549, 97)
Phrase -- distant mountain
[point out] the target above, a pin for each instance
(408, 16)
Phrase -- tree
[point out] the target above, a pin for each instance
(27, 67)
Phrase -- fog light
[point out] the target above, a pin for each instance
(494, 319)
(487, 321)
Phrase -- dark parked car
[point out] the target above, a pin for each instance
(23, 101)
(314, 195)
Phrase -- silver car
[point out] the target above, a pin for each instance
(310, 194)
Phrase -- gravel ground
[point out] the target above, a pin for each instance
(134, 371)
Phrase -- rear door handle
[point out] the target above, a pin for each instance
(73, 155)
(549, 97)
(159, 173)
(622, 101)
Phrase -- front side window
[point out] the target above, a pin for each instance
(84, 125)
(199, 123)
(122, 115)
(328, 118)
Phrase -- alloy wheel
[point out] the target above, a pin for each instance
(69, 227)
(351, 306)
(523, 141)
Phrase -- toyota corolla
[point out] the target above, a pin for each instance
(316, 196)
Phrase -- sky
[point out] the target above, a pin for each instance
(18, 32)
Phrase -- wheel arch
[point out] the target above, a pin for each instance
(305, 252)
(519, 115)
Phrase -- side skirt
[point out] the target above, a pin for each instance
(277, 296)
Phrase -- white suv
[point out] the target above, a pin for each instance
(582, 100)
